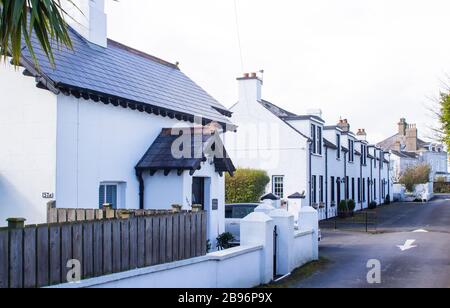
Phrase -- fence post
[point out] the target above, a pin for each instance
(16, 223)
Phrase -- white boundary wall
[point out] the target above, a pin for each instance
(249, 265)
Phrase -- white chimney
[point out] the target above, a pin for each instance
(90, 22)
(250, 88)
(315, 112)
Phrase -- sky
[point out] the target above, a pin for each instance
(370, 61)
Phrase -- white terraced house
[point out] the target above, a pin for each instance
(96, 129)
(301, 154)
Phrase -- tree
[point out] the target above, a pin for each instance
(246, 186)
(21, 19)
(444, 117)
(414, 175)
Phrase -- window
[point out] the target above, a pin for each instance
(338, 189)
(363, 155)
(338, 144)
(381, 159)
(353, 189)
(359, 190)
(108, 195)
(321, 189)
(364, 190)
(333, 192)
(314, 138)
(314, 189)
(347, 188)
(375, 160)
(375, 189)
(351, 151)
(278, 186)
(319, 140)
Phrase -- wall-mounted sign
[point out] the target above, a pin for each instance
(47, 195)
(215, 204)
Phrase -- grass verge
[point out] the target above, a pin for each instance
(301, 273)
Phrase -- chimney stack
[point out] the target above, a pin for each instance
(402, 125)
(91, 22)
(362, 135)
(250, 86)
(315, 112)
(344, 125)
(411, 138)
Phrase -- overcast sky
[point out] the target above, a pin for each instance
(371, 61)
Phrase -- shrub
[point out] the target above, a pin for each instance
(246, 186)
(415, 175)
(351, 205)
(343, 206)
(373, 205)
(441, 186)
(387, 200)
(224, 241)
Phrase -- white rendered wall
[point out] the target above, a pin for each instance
(28, 146)
(265, 142)
(100, 143)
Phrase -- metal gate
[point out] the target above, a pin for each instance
(275, 252)
(364, 221)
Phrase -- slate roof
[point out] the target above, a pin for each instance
(329, 144)
(270, 196)
(125, 75)
(404, 154)
(297, 195)
(282, 114)
(390, 142)
(159, 156)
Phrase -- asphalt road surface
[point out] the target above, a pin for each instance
(424, 264)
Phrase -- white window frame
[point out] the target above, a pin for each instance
(120, 193)
(276, 181)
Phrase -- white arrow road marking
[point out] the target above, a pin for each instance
(420, 231)
(408, 245)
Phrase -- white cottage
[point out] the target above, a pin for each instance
(97, 128)
(301, 154)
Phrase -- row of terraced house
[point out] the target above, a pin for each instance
(303, 155)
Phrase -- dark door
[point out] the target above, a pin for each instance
(198, 191)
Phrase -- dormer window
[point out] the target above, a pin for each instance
(317, 139)
(338, 144)
(351, 151)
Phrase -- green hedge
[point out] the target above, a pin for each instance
(246, 186)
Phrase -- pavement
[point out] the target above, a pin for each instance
(425, 264)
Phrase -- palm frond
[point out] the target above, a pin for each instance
(21, 19)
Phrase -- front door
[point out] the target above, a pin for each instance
(198, 191)
(338, 187)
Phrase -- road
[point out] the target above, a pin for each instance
(424, 266)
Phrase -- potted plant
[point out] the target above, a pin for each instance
(176, 208)
(224, 241)
(351, 207)
(333, 204)
(315, 206)
(197, 208)
(321, 205)
(387, 201)
(123, 214)
(343, 209)
(373, 205)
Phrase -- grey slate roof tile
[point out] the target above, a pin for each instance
(129, 74)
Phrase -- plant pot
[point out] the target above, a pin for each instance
(197, 208)
(176, 208)
(123, 214)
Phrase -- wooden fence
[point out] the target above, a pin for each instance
(61, 215)
(37, 256)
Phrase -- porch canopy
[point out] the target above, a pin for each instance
(169, 153)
